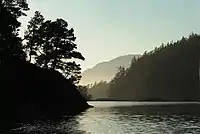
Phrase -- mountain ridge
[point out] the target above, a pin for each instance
(106, 70)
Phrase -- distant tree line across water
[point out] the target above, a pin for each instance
(169, 72)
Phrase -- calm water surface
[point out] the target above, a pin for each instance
(125, 118)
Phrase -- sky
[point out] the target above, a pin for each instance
(106, 29)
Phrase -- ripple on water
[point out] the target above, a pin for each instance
(116, 120)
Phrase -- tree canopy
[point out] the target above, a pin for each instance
(99, 89)
(48, 44)
(10, 43)
(169, 72)
(52, 45)
(84, 92)
(32, 35)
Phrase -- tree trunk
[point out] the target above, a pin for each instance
(54, 63)
(30, 55)
(55, 59)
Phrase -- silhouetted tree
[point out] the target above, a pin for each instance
(84, 92)
(72, 71)
(32, 35)
(10, 43)
(52, 44)
(28, 91)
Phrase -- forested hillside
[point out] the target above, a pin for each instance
(169, 72)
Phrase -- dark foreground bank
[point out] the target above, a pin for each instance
(29, 92)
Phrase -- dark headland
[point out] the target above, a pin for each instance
(29, 92)
(47, 88)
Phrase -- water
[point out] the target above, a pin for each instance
(125, 118)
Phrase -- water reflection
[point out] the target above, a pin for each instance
(63, 126)
(123, 120)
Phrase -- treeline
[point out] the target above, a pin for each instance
(170, 72)
(38, 74)
(94, 91)
(50, 44)
(47, 44)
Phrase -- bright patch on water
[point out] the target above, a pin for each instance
(112, 118)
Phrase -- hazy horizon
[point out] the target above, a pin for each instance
(108, 29)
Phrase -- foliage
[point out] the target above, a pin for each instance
(10, 43)
(114, 83)
(31, 85)
(52, 45)
(32, 35)
(99, 89)
(49, 43)
(84, 92)
(169, 72)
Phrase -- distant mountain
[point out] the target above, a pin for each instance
(106, 70)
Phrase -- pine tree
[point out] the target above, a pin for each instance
(33, 35)
(10, 43)
(52, 45)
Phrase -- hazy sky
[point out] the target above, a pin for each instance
(106, 29)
